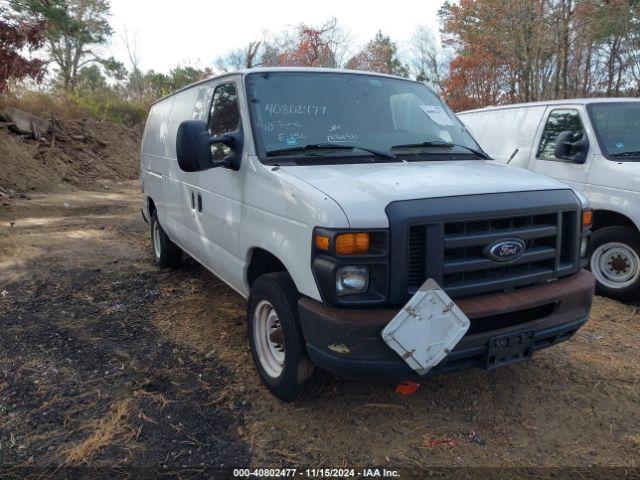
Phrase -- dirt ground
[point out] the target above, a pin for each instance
(105, 361)
(74, 154)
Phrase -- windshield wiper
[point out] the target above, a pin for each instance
(330, 146)
(437, 143)
(635, 153)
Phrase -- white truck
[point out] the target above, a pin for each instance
(350, 208)
(594, 146)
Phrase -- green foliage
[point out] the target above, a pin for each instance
(106, 104)
(73, 29)
(91, 79)
(157, 85)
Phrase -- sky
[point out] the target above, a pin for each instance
(170, 32)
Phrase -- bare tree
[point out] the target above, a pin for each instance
(135, 82)
(426, 57)
(240, 58)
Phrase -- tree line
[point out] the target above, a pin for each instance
(527, 50)
(491, 51)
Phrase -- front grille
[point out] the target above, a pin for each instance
(549, 237)
(417, 255)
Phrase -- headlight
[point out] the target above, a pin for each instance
(351, 267)
(351, 280)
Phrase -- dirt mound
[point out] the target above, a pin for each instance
(72, 153)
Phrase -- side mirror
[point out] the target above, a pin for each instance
(570, 150)
(193, 147)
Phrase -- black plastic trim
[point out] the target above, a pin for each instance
(473, 356)
(433, 213)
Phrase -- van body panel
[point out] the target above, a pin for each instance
(574, 174)
(365, 191)
(512, 141)
(281, 212)
(154, 165)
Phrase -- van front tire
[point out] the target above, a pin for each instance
(165, 253)
(614, 260)
(276, 340)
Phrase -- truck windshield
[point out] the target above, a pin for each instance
(346, 114)
(617, 127)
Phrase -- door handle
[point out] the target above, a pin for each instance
(199, 203)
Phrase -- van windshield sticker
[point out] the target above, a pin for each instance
(341, 137)
(437, 114)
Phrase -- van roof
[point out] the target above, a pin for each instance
(568, 101)
(247, 71)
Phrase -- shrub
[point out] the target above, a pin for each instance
(102, 104)
(109, 105)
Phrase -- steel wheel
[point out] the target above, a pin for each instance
(269, 339)
(157, 246)
(615, 265)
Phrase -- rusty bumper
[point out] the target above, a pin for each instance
(348, 342)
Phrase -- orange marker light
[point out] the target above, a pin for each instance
(322, 242)
(587, 219)
(407, 388)
(348, 243)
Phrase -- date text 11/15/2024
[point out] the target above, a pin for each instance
(316, 473)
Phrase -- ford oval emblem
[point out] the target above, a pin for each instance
(505, 250)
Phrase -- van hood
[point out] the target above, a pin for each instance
(363, 191)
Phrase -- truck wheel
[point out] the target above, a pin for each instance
(165, 252)
(276, 340)
(615, 262)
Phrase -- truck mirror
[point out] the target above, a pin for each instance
(193, 147)
(570, 150)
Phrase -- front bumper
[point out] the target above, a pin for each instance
(348, 343)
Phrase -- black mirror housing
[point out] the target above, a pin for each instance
(193, 147)
(565, 144)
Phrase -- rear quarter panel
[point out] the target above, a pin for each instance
(153, 160)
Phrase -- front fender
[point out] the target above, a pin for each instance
(280, 214)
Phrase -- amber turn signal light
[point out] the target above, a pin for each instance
(348, 243)
(322, 242)
(587, 219)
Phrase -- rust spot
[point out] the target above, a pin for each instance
(276, 336)
(408, 354)
(339, 348)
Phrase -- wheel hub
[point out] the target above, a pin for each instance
(269, 338)
(619, 264)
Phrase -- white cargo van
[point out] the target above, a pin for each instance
(594, 146)
(350, 208)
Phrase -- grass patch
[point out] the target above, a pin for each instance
(110, 429)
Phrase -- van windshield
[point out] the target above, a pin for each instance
(617, 127)
(345, 114)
